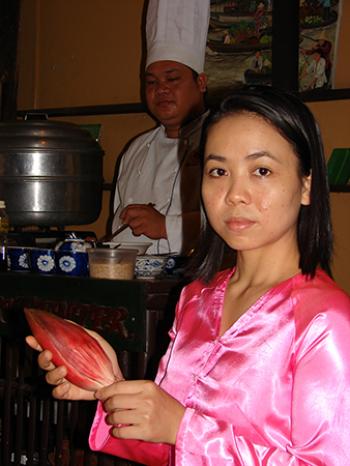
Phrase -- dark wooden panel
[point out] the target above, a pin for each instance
(9, 19)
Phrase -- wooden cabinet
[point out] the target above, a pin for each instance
(134, 316)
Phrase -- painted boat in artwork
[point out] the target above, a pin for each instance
(257, 77)
(218, 20)
(252, 46)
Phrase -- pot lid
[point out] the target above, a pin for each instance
(45, 134)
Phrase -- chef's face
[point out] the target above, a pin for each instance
(252, 187)
(174, 94)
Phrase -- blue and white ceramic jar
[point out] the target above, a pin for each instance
(18, 258)
(72, 263)
(43, 260)
(72, 257)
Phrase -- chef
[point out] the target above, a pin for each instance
(157, 191)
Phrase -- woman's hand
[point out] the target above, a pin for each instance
(139, 409)
(65, 390)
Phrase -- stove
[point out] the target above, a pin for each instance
(46, 238)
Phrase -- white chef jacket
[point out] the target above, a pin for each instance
(165, 172)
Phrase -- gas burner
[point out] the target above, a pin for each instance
(46, 237)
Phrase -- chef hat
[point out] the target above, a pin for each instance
(177, 30)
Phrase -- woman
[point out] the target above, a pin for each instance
(258, 367)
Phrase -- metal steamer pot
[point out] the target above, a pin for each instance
(50, 173)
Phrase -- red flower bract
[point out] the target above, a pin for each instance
(88, 366)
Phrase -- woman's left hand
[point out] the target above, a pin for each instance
(139, 409)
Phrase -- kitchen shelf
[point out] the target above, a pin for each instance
(88, 110)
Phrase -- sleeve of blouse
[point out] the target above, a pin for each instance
(156, 454)
(320, 414)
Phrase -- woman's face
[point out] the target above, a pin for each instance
(252, 190)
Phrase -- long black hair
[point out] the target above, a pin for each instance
(295, 122)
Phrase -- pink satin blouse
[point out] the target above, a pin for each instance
(273, 390)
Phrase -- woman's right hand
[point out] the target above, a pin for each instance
(65, 390)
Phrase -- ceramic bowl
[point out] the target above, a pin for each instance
(42, 260)
(150, 266)
(140, 247)
(72, 263)
(18, 258)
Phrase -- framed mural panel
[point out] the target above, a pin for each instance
(239, 43)
(332, 38)
(319, 23)
(291, 43)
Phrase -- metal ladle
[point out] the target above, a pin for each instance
(109, 238)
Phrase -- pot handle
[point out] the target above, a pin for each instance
(36, 116)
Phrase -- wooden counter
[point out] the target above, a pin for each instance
(134, 316)
(126, 312)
